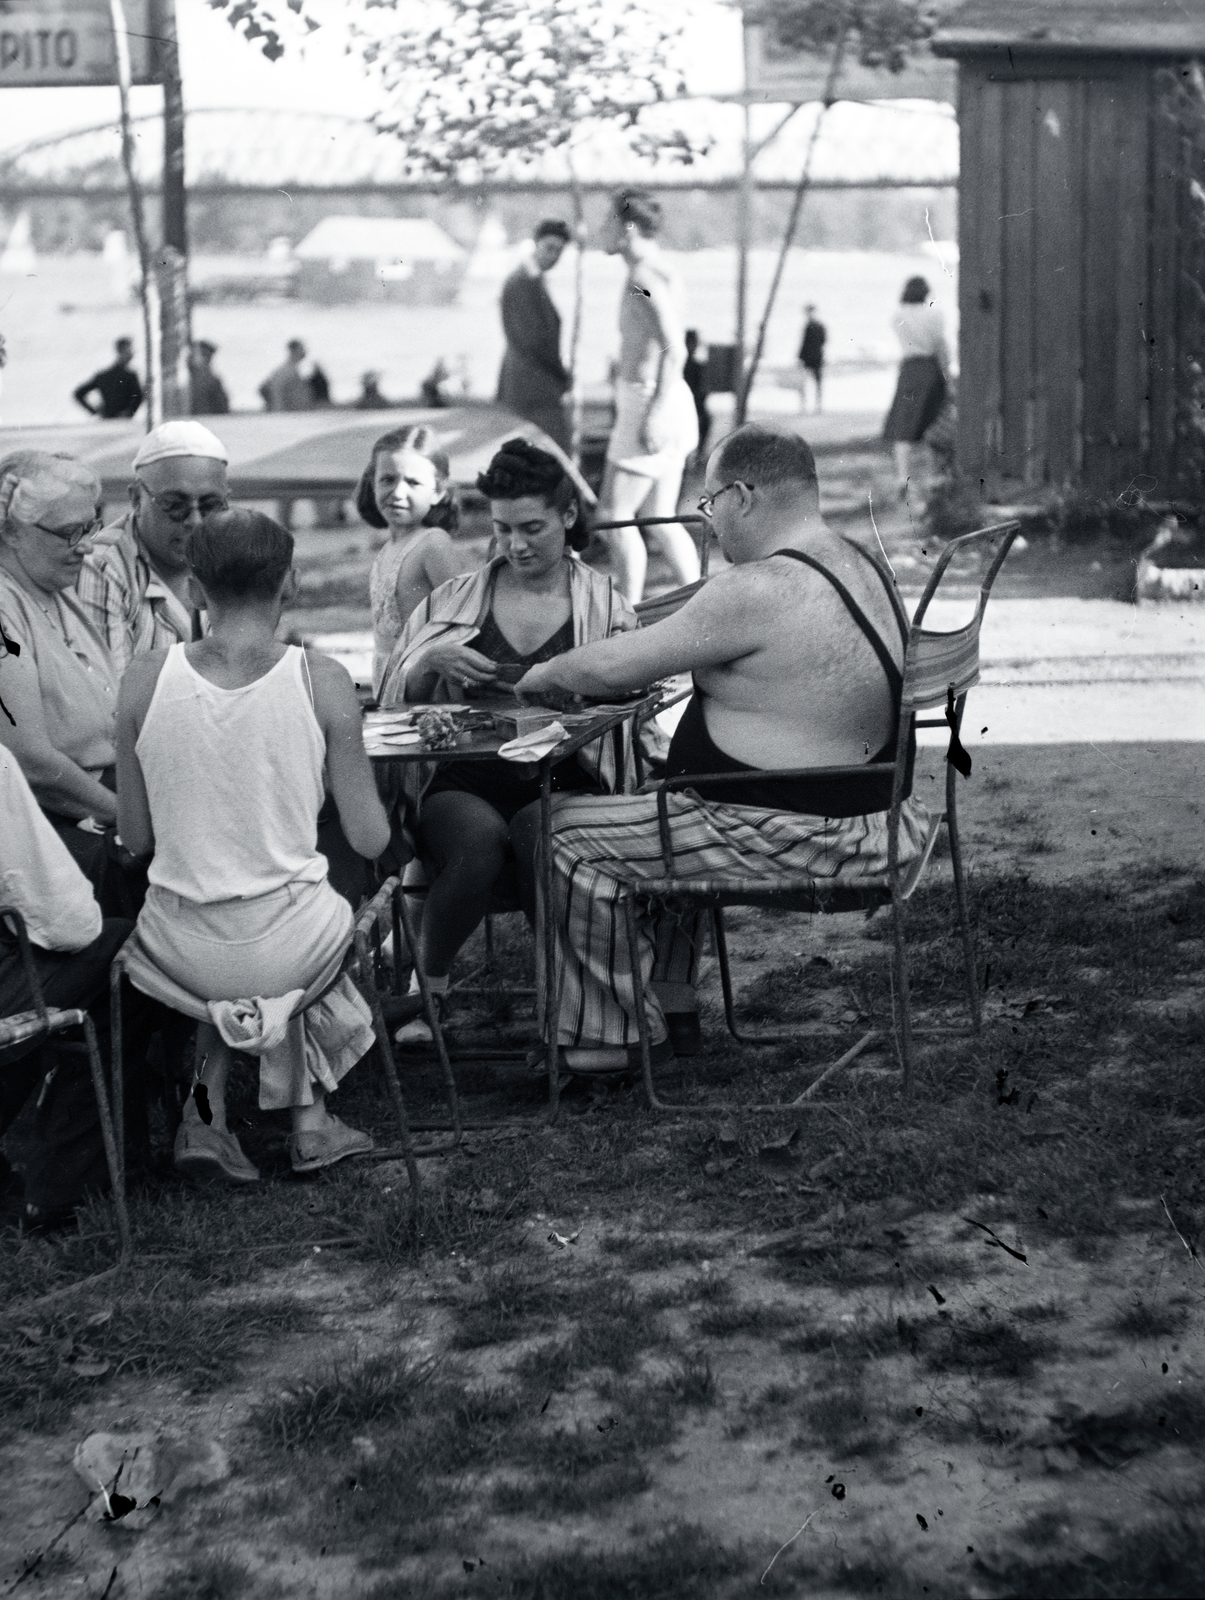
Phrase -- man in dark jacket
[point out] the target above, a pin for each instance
(811, 353)
(118, 386)
(533, 378)
(206, 389)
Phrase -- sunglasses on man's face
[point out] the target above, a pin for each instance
(179, 507)
(76, 535)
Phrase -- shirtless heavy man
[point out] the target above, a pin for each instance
(796, 652)
(655, 423)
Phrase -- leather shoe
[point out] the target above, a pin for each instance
(209, 1155)
(322, 1147)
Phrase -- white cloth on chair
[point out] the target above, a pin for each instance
(256, 1025)
(293, 942)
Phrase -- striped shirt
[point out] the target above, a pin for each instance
(127, 603)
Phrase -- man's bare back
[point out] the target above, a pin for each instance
(812, 692)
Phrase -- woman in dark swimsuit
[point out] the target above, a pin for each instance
(533, 602)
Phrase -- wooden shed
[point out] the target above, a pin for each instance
(1080, 226)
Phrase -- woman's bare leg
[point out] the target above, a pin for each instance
(624, 494)
(464, 840)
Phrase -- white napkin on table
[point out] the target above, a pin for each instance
(535, 745)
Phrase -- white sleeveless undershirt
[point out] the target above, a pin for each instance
(235, 781)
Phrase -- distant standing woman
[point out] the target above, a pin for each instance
(921, 390)
(405, 488)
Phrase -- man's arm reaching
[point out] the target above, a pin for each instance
(724, 621)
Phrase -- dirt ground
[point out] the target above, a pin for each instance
(802, 1381)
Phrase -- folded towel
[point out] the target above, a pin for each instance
(256, 1025)
(533, 746)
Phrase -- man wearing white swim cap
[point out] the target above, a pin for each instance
(134, 584)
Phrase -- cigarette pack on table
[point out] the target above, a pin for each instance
(523, 719)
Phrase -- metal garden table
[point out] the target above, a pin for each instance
(482, 744)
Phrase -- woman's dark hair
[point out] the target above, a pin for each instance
(520, 468)
(240, 555)
(445, 513)
(916, 290)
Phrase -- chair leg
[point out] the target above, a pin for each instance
(964, 922)
(642, 1021)
(385, 1052)
(420, 972)
(900, 958)
(721, 951)
(112, 1157)
(117, 1076)
(802, 1102)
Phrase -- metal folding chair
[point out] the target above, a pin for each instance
(364, 964)
(389, 908)
(939, 669)
(33, 1028)
(688, 519)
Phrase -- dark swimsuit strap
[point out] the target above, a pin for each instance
(894, 676)
(887, 578)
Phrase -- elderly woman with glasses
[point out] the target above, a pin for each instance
(57, 681)
(134, 584)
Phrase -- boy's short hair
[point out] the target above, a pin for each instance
(240, 555)
(552, 228)
(641, 209)
(766, 457)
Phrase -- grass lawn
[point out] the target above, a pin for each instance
(950, 1344)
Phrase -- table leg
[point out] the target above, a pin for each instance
(547, 950)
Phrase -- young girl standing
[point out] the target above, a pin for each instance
(405, 488)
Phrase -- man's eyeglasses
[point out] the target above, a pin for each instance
(709, 500)
(179, 507)
(73, 536)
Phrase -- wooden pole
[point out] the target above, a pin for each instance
(744, 225)
(579, 239)
(792, 223)
(149, 291)
(172, 261)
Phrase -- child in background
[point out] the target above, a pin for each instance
(405, 488)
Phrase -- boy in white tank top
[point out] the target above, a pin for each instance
(225, 750)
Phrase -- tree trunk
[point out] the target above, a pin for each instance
(172, 261)
(579, 236)
(148, 291)
(789, 236)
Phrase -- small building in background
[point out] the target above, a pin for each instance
(406, 259)
(1082, 238)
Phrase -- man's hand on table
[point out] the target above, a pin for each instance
(537, 687)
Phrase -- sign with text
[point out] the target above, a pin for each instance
(58, 43)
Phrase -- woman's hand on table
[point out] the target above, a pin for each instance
(460, 664)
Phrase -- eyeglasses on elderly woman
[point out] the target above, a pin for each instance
(73, 536)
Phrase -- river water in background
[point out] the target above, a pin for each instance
(60, 324)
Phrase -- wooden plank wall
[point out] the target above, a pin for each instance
(1017, 316)
(981, 125)
(1055, 266)
(1069, 207)
(1162, 334)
